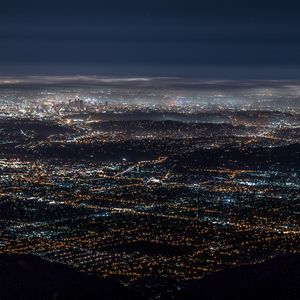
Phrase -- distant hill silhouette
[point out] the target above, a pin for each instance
(30, 277)
(248, 158)
(276, 279)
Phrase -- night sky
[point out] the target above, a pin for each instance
(151, 37)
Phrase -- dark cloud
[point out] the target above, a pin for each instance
(146, 33)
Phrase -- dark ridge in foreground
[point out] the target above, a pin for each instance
(276, 279)
(30, 277)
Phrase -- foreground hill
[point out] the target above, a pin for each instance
(29, 277)
(276, 279)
